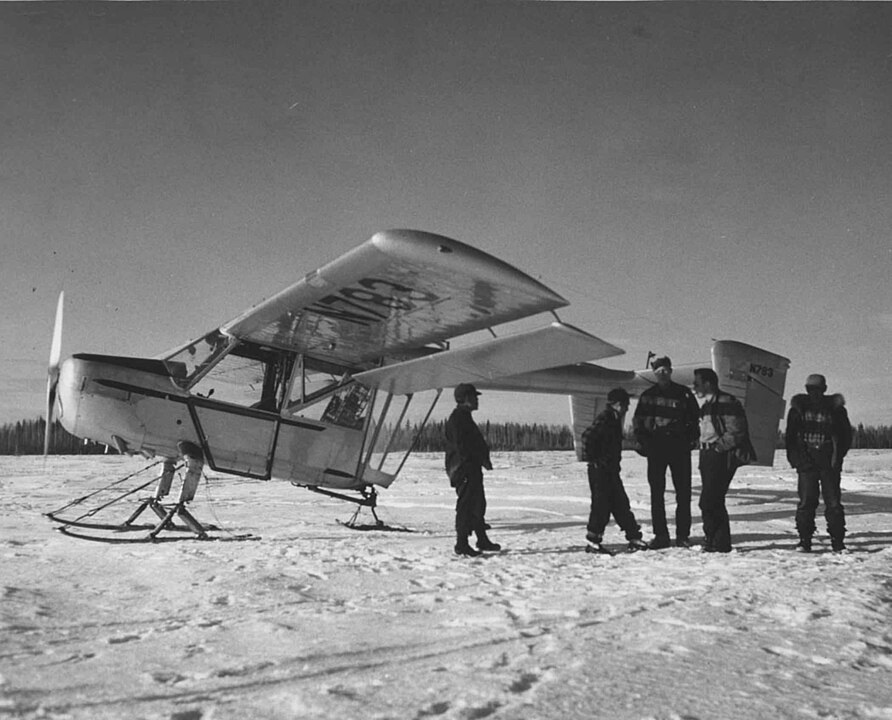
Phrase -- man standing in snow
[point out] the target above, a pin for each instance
(724, 446)
(818, 436)
(466, 455)
(666, 428)
(602, 445)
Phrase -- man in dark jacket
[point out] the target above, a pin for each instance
(818, 436)
(724, 446)
(602, 445)
(466, 455)
(666, 428)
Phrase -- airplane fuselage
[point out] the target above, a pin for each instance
(135, 406)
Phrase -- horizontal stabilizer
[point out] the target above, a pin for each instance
(556, 344)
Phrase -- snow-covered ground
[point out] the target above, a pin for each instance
(309, 619)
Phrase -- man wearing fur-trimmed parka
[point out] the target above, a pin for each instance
(818, 436)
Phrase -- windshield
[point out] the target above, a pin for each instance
(186, 365)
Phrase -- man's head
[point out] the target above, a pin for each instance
(618, 398)
(662, 367)
(466, 394)
(706, 382)
(815, 385)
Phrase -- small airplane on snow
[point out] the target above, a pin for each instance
(312, 385)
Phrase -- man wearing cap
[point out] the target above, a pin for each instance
(602, 445)
(818, 436)
(666, 427)
(466, 455)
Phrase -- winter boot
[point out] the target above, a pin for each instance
(485, 544)
(637, 544)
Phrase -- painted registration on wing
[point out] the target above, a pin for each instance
(371, 300)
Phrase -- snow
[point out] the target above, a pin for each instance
(309, 619)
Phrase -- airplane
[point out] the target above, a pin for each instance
(314, 384)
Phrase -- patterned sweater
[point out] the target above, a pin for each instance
(670, 413)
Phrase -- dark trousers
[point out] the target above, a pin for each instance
(820, 479)
(716, 472)
(470, 505)
(609, 498)
(675, 455)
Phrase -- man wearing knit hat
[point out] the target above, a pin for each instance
(466, 455)
(818, 436)
(602, 446)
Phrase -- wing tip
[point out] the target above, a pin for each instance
(424, 246)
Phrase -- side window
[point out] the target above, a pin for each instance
(348, 407)
(318, 394)
(235, 379)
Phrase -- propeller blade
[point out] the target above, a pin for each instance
(52, 379)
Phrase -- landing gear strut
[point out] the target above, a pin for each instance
(368, 497)
(193, 462)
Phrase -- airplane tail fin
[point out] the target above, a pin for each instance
(757, 378)
(583, 409)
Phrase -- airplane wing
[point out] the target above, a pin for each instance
(401, 289)
(580, 379)
(485, 362)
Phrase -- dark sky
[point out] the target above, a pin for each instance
(680, 172)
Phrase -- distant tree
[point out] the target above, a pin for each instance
(26, 438)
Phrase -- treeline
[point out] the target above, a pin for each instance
(522, 436)
(26, 438)
(500, 436)
(872, 437)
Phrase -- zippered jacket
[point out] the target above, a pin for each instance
(729, 421)
(466, 448)
(602, 441)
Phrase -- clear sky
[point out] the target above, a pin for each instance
(679, 172)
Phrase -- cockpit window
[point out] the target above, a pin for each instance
(250, 376)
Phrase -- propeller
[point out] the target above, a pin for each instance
(52, 379)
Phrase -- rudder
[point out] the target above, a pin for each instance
(757, 378)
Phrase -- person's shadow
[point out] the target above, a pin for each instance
(855, 504)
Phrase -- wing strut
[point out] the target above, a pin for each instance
(418, 434)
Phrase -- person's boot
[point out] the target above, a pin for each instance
(463, 549)
(485, 544)
(838, 545)
(804, 545)
(593, 545)
(636, 544)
